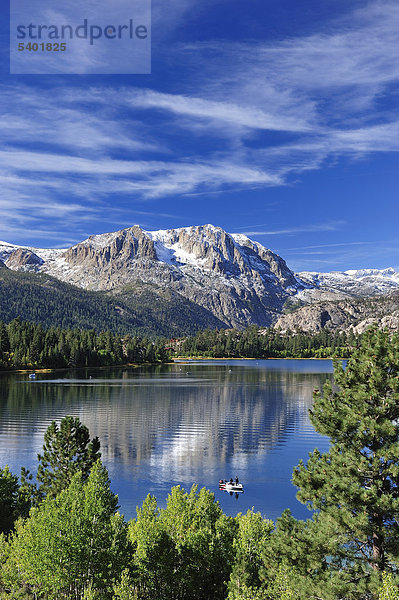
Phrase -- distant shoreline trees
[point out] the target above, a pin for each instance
(25, 345)
(265, 343)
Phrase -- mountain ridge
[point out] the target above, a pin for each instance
(235, 280)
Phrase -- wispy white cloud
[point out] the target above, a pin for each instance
(311, 228)
(233, 115)
(337, 245)
(321, 256)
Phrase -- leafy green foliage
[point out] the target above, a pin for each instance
(388, 591)
(183, 551)
(14, 502)
(283, 585)
(247, 593)
(123, 590)
(250, 541)
(71, 543)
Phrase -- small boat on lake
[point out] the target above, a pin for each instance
(231, 485)
(32, 375)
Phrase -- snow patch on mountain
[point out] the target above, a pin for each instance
(172, 253)
(353, 283)
(388, 273)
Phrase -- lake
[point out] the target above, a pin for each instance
(184, 423)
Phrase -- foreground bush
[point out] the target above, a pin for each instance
(70, 543)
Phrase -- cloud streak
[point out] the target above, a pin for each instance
(312, 228)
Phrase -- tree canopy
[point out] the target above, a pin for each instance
(14, 502)
(184, 551)
(71, 542)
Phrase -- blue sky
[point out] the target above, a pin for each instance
(274, 118)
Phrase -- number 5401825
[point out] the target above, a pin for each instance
(42, 47)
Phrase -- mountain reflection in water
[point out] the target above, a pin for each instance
(177, 424)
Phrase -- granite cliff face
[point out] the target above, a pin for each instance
(236, 280)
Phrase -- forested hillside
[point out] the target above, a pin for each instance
(40, 298)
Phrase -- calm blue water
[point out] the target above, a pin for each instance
(191, 422)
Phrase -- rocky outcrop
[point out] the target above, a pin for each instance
(390, 322)
(343, 316)
(105, 262)
(24, 260)
(124, 247)
(2, 265)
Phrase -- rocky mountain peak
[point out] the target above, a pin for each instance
(120, 247)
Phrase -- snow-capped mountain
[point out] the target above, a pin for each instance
(339, 285)
(237, 280)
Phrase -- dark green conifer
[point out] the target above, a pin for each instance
(67, 449)
(355, 485)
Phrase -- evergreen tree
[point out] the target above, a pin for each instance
(4, 340)
(67, 449)
(355, 486)
(13, 502)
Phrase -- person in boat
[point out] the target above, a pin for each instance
(231, 481)
(236, 480)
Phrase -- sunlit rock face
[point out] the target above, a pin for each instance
(24, 260)
(343, 315)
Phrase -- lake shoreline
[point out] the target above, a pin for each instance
(181, 358)
(48, 370)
